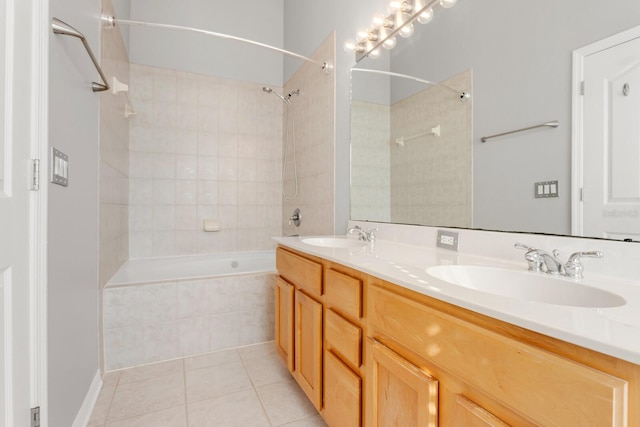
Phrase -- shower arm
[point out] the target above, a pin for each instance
(111, 21)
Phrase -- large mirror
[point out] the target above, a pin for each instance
(516, 60)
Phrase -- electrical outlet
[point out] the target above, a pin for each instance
(447, 240)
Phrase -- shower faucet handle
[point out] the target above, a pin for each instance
(296, 218)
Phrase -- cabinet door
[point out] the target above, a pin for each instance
(342, 394)
(400, 393)
(468, 414)
(308, 347)
(284, 321)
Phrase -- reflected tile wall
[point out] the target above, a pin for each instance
(150, 323)
(202, 147)
(314, 111)
(431, 179)
(370, 161)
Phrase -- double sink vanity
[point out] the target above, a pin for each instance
(388, 333)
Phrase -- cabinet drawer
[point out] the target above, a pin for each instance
(300, 271)
(342, 394)
(344, 292)
(540, 385)
(343, 337)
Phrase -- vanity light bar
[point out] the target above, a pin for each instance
(399, 21)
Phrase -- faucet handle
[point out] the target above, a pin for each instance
(371, 233)
(523, 246)
(533, 257)
(574, 267)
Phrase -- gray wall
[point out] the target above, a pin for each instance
(308, 23)
(520, 53)
(73, 216)
(259, 20)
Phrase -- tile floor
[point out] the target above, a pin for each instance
(248, 387)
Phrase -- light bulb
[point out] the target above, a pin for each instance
(448, 3)
(350, 45)
(375, 53)
(362, 34)
(406, 31)
(389, 43)
(379, 20)
(426, 16)
(394, 6)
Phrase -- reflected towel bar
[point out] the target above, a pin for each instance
(65, 29)
(553, 124)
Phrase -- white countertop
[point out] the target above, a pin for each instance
(612, 331)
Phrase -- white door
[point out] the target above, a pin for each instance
(15, 146)
(611, 138)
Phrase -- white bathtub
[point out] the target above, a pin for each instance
(163, 308)
(150, 270)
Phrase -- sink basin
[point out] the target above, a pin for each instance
(525, 285)
(334, 242)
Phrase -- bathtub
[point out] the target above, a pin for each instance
(149, 270)
(162, 308)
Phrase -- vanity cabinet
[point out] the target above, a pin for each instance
(285, 294)
(371, 353)
(298, 304)
(486, 375)
(344, 369)
(400, 393)
(320, 331)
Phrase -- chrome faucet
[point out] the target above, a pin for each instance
(537, 258)
(367, 235)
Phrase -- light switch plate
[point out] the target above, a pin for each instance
(59, 167)
(545, 189)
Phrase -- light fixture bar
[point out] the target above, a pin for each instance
(462, 94)
(414, 15)
(110, 21)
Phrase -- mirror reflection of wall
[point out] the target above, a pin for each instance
(411, 159)
(521, 58)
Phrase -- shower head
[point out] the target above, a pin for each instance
(269, 90)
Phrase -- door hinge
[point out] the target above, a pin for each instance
(35, 417)
(35, 183)
(582, 194)
(582, 88)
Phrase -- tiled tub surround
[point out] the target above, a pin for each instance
(402, 253)
(202, 147)
(154, 321)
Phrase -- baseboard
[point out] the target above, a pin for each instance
(84, 414)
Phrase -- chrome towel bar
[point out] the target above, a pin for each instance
(553, 124)
(65, 29)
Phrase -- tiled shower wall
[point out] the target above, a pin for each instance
(202, 147)
(314, 113)
(114, 157)
(431, 176)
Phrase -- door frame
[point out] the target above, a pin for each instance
(577, 120)
(41, 32)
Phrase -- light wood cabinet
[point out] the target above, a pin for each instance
(400, 393)
(368, 352)
(285, 293)
(513, 381)
(308, 347)
(342, 393)
(468, 414)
